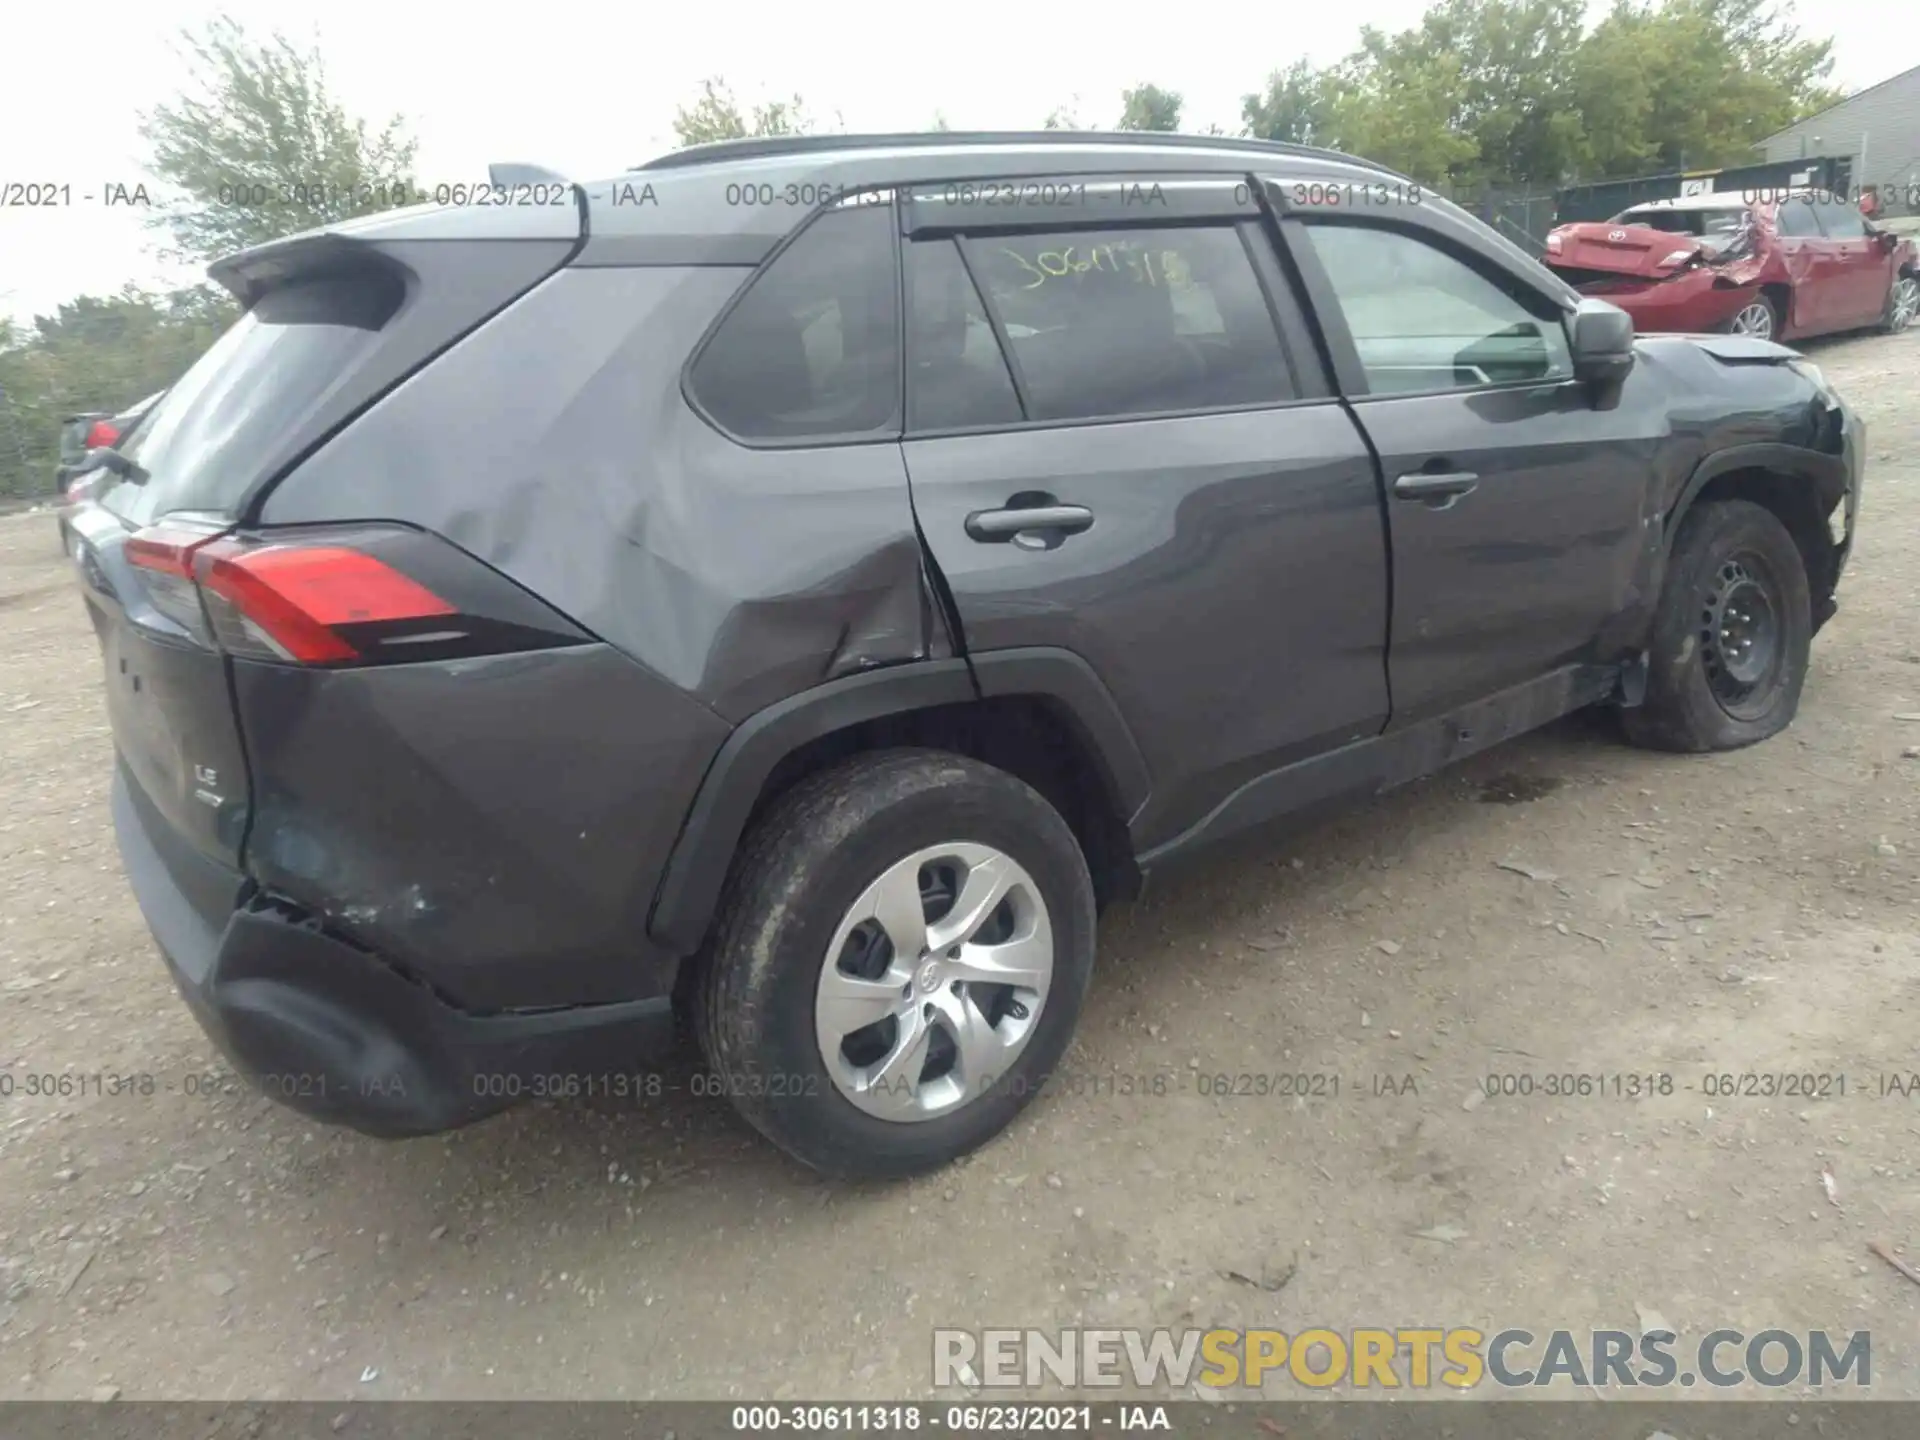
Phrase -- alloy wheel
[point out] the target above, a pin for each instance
(934, 982)
(1904, 303)
(1755, 319)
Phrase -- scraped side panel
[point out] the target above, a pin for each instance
(556, 445)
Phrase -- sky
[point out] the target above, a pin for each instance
(590, 90)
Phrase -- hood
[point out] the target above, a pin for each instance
(1727, 349)
(1637, 250)
(1743, 349)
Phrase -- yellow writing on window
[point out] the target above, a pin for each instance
(1144, 267)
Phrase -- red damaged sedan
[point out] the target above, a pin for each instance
(1776, 268)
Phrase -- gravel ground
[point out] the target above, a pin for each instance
(1562, 904)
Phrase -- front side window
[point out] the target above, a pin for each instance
(1842, 222)
(1796, 218)
(812, 350)
(1424, 319)
(1133, 321)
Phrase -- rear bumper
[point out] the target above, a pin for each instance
(338, 1034)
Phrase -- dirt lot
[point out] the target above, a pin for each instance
(1751, 912)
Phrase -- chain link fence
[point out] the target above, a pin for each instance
(1521, 216)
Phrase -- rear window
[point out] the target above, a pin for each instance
(201, 444)
(1689, 222)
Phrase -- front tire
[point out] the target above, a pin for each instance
(899, 962)
(1731, 637)
(1759, 318)
(1903, 303)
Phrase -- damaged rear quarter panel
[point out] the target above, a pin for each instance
(556, 445)
(494, 826)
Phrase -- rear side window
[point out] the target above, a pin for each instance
(1796, 218)
(201, 443)
(811, 351)
(956, 373)
(1133, 322)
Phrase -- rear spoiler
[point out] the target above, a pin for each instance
(250, 274)
(355, 246)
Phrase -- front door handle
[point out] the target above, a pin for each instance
(1440, 491)
(990, 526)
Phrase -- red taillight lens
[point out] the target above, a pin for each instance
(100, 434)
(164, 551)
(292, 598)
(276, 601)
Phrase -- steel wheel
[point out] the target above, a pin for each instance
(1755, 319)
(1740, 635)
(1903, 303)
(934, 981)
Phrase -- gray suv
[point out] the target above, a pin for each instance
(793, 586)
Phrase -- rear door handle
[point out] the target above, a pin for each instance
(1440, 491)
(990, 526)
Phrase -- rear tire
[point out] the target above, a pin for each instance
(1731, 636)
(793, 964)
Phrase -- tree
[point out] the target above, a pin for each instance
(1693, 83)
(258, 147)
(940, 121)
(1396, 104)
(1297, 106)
(1510, 63)
(94, 353)
(1148, 107)
(716, 115)
(1519, 92)
(1063, 117)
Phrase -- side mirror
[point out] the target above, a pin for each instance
(1602, 341)
(1888, 240)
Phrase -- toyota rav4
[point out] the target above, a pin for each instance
(790, 588)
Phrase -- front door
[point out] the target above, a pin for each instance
(1515, 506)
(1116, 448)
(1863, 270)
(1812, 268)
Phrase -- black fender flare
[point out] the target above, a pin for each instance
(696, 870)
(1827, 472)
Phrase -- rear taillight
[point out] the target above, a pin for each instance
(339, 597)
(101, 434)
(295, 602)
(164, 555)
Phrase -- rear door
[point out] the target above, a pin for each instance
(1122, 359)
(1515, 505)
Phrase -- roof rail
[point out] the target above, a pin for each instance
(766, 146)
